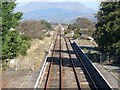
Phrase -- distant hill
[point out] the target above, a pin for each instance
(56, 11)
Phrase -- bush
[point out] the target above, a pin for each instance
(65, 32)
(26, 37)
(13, 45)
(34, 28)
(76, 36)
(4, 65)
(24, 46)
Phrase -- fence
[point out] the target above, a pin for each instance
(99, 57)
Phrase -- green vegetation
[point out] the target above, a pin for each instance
(75, 36)
(13, 43)
(65, 32)
(71, 26)
(0, 47)
(107, 34)
(84, 23)
(47, 25)
(81, 25)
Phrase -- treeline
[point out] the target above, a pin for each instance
(34, 28)
(107, 34)
(13, 43)
(16, 34)
(81, 25)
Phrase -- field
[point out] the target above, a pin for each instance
(27, 66)
(34, 55)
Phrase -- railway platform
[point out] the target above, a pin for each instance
(113, 77)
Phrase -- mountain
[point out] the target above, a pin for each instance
(56, 11)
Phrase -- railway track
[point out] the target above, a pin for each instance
(50, 66)
(53, 74)
(83, 79)
(64, 68)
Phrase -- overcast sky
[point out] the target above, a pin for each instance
(89, 3)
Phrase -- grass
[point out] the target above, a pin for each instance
(0, 46)
(0, 52)
(35, 55)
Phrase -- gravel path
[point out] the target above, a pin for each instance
(111, 74)
(26, 78)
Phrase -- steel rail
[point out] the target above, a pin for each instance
(71, 60)
(99, 86)
(60, 64)
(49, 70)
(84, 68)
(41, 73)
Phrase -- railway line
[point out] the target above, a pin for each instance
(66, 67)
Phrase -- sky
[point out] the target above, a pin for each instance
(58, 0)
(93, 4)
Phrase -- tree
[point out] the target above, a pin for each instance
(34, 28)
(107, 34)
(48, 26)
(12, 42)
(9, 19)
